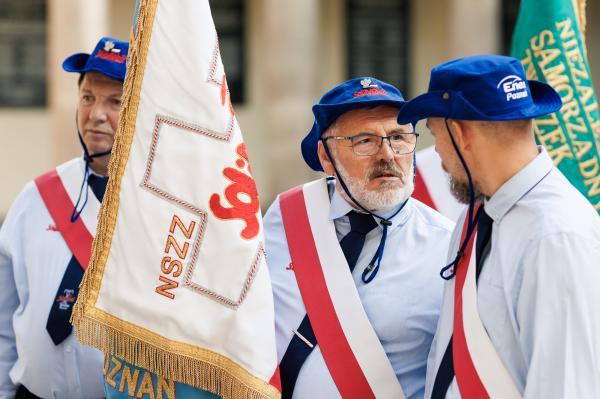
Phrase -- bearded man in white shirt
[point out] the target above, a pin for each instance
(520, 310)
(353, 259)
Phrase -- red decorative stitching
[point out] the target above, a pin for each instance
(220, 298)
(212, 72)
(202, 215)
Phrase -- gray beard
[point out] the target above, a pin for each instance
(461, 191)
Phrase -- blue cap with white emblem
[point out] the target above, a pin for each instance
(483, 87)
(109, 58)
(352, 94)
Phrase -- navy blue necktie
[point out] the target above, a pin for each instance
(445, 373)
(58, 325)
(297, 351)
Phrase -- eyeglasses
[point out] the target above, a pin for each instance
(369, 144)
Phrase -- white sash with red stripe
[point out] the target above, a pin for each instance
(480, 373)
(59, 189)
(352, 351)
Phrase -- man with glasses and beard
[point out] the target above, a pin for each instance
(354, 260)
(520, 314)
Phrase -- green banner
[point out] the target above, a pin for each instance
(549, 41)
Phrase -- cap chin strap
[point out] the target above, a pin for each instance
(88, 158)
(371, 270)
(449, 271)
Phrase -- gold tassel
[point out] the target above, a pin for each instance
(204, 375)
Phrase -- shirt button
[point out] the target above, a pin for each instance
(68, 349)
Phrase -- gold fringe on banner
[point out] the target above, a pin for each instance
(181, 362)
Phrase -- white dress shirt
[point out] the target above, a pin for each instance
(33, 260)
(538, 293)
(402, 302)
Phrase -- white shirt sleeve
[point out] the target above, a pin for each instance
(8, 304)
(559, 318)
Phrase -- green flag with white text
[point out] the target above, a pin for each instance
(549, 40)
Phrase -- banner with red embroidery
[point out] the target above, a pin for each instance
(177, 282)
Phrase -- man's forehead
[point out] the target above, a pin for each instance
(96, 78)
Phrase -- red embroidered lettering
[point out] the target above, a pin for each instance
(170, 266)
(241, 195)
(164, 289)
(65, 298)
(369, 92)
(51, 227)
(105, 55)
(186, 232)
(173, 264)
(171, 243)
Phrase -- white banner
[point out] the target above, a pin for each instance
(178, 282)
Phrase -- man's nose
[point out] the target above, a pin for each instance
(99, 112)
(385, 150)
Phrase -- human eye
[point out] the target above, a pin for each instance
(116, 102)
(86, 99)
(404, 137)
(364, 138)
(396, 137)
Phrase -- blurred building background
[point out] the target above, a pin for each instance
(280, 56)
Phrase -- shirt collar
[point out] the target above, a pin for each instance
(518, 185)
(340, 207)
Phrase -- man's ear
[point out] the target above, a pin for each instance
(324, 159)
(466, 136)
(461, 133)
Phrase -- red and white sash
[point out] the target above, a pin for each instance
(352, 351)
(480, 373)
(57, 188)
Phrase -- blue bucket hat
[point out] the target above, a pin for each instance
(352, 94)
(482, 87)
(109, 58)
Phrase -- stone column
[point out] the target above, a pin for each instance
(73, 26)
(442, 30)
(287, 84)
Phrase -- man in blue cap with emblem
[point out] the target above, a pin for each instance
(45, 246)
(520, 313)
(353, 261)
(353, 258)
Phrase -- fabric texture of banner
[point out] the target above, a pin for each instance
(177, 283)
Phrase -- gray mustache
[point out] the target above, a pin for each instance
(386, 168)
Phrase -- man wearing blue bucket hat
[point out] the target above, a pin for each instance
(353, 258)
(520, 310)
(45, 246)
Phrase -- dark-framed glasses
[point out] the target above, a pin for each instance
(370, 144)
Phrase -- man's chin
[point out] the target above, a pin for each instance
(94, 148)
(462, 192)
(387, 198)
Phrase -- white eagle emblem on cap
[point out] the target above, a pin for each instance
(108, 46)
(366, 83)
